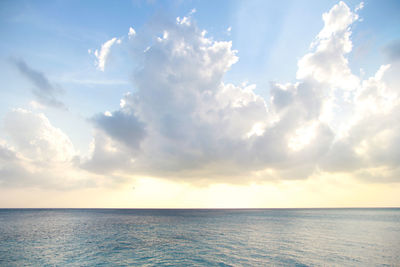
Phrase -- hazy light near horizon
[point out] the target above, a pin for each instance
(184, 136)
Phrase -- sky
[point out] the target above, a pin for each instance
(199, 104)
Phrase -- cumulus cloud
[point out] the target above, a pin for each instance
(38, 154)
(123, 126)
(45, 92)
(328, 62)
(183, 122)
(35, 137)
(104, 53)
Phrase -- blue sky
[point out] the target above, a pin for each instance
(56, 34)
(269, 40)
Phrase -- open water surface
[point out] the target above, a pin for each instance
(250, 237)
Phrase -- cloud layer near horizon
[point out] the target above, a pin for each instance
(183, 122)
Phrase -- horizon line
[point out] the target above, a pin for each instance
(298, 208)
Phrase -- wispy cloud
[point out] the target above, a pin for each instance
(45, 92)
(94, 82)
(392, 50)
(104, 53)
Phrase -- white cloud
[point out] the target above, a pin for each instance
(302, 136)
(36, 105)
(36, 138)
(327, 63)
(183, 21)
(359, 6)
(38, 154)
(184, 122)
(131, 32)
(104, 52)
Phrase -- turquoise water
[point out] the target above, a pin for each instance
(278, 237)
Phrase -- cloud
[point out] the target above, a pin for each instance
(35, 137)
(122, 126)
(392, 50)
(38, 154)
(359, 6)
(45, 92)
(196, 126)
(184, 122)
(104, 53)
(328, 62)
(131, 32)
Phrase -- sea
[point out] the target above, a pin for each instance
(200, 237)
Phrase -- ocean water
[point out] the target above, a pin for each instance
(260, 237)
